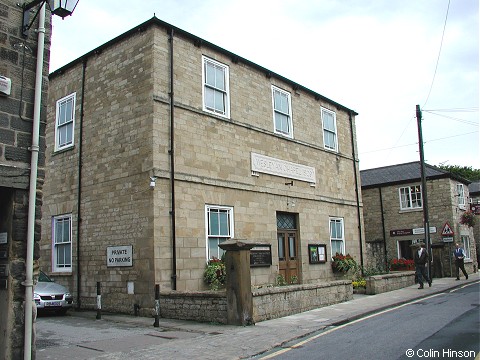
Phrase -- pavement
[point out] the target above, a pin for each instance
(177, 339)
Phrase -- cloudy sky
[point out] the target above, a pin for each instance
(378, 57)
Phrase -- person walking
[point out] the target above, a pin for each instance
(420, 258)
(459, 255)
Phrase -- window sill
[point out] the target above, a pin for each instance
(61, 151)
(401, 211)
(61, 273)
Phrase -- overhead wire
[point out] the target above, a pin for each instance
(416, 143)
(438, 57)
(468, 122)
(434, 75)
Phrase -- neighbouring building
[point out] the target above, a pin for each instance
(161, 145)
(474, 190)
(394, 221)
(18, 71)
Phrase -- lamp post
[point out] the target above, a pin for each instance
(62, 8)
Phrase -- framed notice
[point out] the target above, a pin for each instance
(317, 254)
(3, 238)
(261, 255)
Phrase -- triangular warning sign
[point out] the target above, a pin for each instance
(447, 230)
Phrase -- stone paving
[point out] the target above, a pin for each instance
(176, 339)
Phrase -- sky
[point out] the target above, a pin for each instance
(380, 58)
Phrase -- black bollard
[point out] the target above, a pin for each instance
(157, 306)
(99, 302)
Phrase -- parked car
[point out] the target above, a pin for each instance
(49, 296)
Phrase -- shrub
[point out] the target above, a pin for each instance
(215, 273)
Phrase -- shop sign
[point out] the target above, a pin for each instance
(401, 232)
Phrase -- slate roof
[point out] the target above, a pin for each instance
(403, 173)
(154, 21)
(474, 188)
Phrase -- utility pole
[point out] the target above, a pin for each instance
(426, 224)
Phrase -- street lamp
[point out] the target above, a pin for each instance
(60, 8)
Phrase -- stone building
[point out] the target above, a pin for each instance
(18, 70)
(474, 190)
(161, 145)
(393, 215)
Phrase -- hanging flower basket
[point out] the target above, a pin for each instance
(467, 218)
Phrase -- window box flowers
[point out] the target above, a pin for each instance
(343, 263)
(401, 265)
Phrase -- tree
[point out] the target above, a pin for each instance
(465, 172)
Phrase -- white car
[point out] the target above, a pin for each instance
(51, 296)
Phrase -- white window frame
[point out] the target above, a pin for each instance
(461, 196)
(287, 114)
(69, 123)
(406, 199)
(336, 220)
(226, 92)
(465, 243)
(65, 243)
(209, 235)
(329, 131)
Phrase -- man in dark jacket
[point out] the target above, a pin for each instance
(459, 255)
(420, 257)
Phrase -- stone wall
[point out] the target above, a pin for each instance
(18, 58)
(268, 302)
(378, 284)
(375, 254)
(206, 306)
(276, 302)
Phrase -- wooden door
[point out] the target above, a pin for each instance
(288, 255)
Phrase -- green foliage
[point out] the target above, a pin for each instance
(468, 219)
(371, 271)
(280, 280)
(360, 273)
(360, 283)
(215, 274)
(343, 263)
(465, 172)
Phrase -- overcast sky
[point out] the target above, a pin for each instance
(378, 57)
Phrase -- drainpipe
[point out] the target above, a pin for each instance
(359, 218)
(79, 182)
(383, 229)
(27, 352)
(172, 167)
